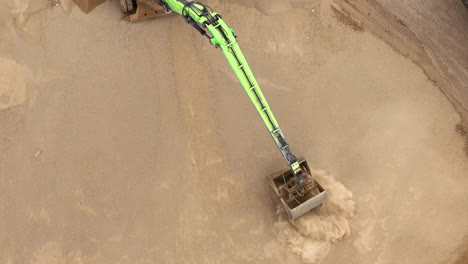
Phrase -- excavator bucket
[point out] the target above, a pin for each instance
(302, 199)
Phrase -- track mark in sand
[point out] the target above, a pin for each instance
(284, 48)
(221, 194)
(81, 205)
(23, 10)
(366, 240)
(39, 215)
(271, 85)
(213, 161)
(52, 252)
(86, 209)
(312, 235)
(49, 253)
(13, 80)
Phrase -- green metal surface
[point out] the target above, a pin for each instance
(223, 37)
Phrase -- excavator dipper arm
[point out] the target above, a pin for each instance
(211, 25)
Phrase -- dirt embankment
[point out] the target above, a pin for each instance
(431, 33)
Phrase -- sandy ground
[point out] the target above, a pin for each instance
(134, 143)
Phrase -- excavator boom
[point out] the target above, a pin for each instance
(298, 191)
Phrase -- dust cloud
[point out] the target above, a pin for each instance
(312, 235)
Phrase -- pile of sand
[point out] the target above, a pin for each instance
(312, 235)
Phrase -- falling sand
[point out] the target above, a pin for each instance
(312, 235)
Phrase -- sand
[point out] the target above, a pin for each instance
(134, 143)
(13, 80)
(312, 236)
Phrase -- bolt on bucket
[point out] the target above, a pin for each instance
(297, 200)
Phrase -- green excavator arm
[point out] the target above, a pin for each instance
(295, 186)
(211, 24)
(297, 190)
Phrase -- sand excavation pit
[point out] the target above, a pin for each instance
(103, 122)
(312, 236)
